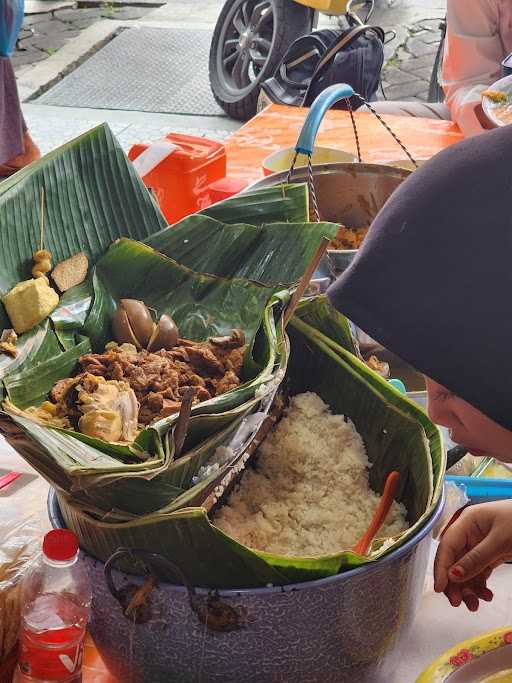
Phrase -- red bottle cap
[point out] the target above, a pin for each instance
(60, 545)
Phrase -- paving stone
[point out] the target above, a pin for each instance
(26, 43)
(74, 14)
(50, 44)
(424, 73)
(148, 4)
(125, 13)
(25, 33)
(399, 92)
(419, 63)
(395, 76)
(35, 19)
(29, 57)
(431, 24)
(33, 7)
(432, 38)
(49, 26)
(419, 48)
(423, 96)
(83, 23)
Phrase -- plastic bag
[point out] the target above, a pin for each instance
(11, 19)
(20, 540)
(455, 499)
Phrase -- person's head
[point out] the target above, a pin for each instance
(468, 426)
(433, 283)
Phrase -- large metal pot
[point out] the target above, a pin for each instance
(351, 194)
(344, 628)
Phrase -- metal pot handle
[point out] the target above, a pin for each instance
(319, 108)
(214, 613)
(149, 559)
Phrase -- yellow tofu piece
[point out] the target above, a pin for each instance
(30, 302)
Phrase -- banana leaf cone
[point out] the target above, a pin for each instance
(397, 436)
(228, 275)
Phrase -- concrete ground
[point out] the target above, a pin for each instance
(53, 43)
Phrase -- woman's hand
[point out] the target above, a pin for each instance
(474, 545)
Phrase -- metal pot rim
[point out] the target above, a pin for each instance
(340, 168)
(57, 522)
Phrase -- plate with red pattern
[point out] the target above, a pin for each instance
(484, 659)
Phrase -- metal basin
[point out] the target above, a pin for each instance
(351, 194)
(335, 630)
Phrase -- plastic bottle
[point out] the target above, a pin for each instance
(55, 611)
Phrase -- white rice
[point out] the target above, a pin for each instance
(309, 493)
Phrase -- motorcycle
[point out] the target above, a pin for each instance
(251, 37)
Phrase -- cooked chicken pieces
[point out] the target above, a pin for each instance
(157, 382)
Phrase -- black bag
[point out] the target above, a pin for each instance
(314, 62)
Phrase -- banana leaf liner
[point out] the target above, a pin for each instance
(174, 486)
(319, 314)
(92, 199)
(396, 437)
(81, 463)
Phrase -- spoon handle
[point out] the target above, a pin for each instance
(380, 514)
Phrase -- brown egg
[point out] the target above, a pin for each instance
(140, 320)
(165, 335)
(121, 328)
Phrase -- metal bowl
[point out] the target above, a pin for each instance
(340, 629)
(351, 194)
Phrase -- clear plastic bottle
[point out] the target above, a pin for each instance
(55, 612)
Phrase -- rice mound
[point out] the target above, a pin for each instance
(309, 492)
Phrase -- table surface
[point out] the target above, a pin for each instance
(438, 626)
(278, 127)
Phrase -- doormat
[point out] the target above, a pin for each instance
(143, 69)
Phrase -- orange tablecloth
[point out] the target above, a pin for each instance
(278, 127)
(94, 670)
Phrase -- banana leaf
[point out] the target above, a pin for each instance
(93, 196)
(269, 253)
(188, 531)
(395, 437)
(286, 202)
(318, 313)
(115, 477)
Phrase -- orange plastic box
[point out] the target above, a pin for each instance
(181, 181)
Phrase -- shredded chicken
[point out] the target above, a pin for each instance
(159, 380)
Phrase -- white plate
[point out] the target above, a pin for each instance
(499, 114)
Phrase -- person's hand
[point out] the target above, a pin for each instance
(478, 542)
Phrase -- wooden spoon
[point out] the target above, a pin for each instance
(380, 514)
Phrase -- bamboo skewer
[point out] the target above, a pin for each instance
(181, 430)
(41, 221)
(41, 258)
(304, 281)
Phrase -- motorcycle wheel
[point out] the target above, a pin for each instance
(249, 40)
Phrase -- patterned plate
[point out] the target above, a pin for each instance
(484, 659)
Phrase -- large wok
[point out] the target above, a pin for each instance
(351, 194)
